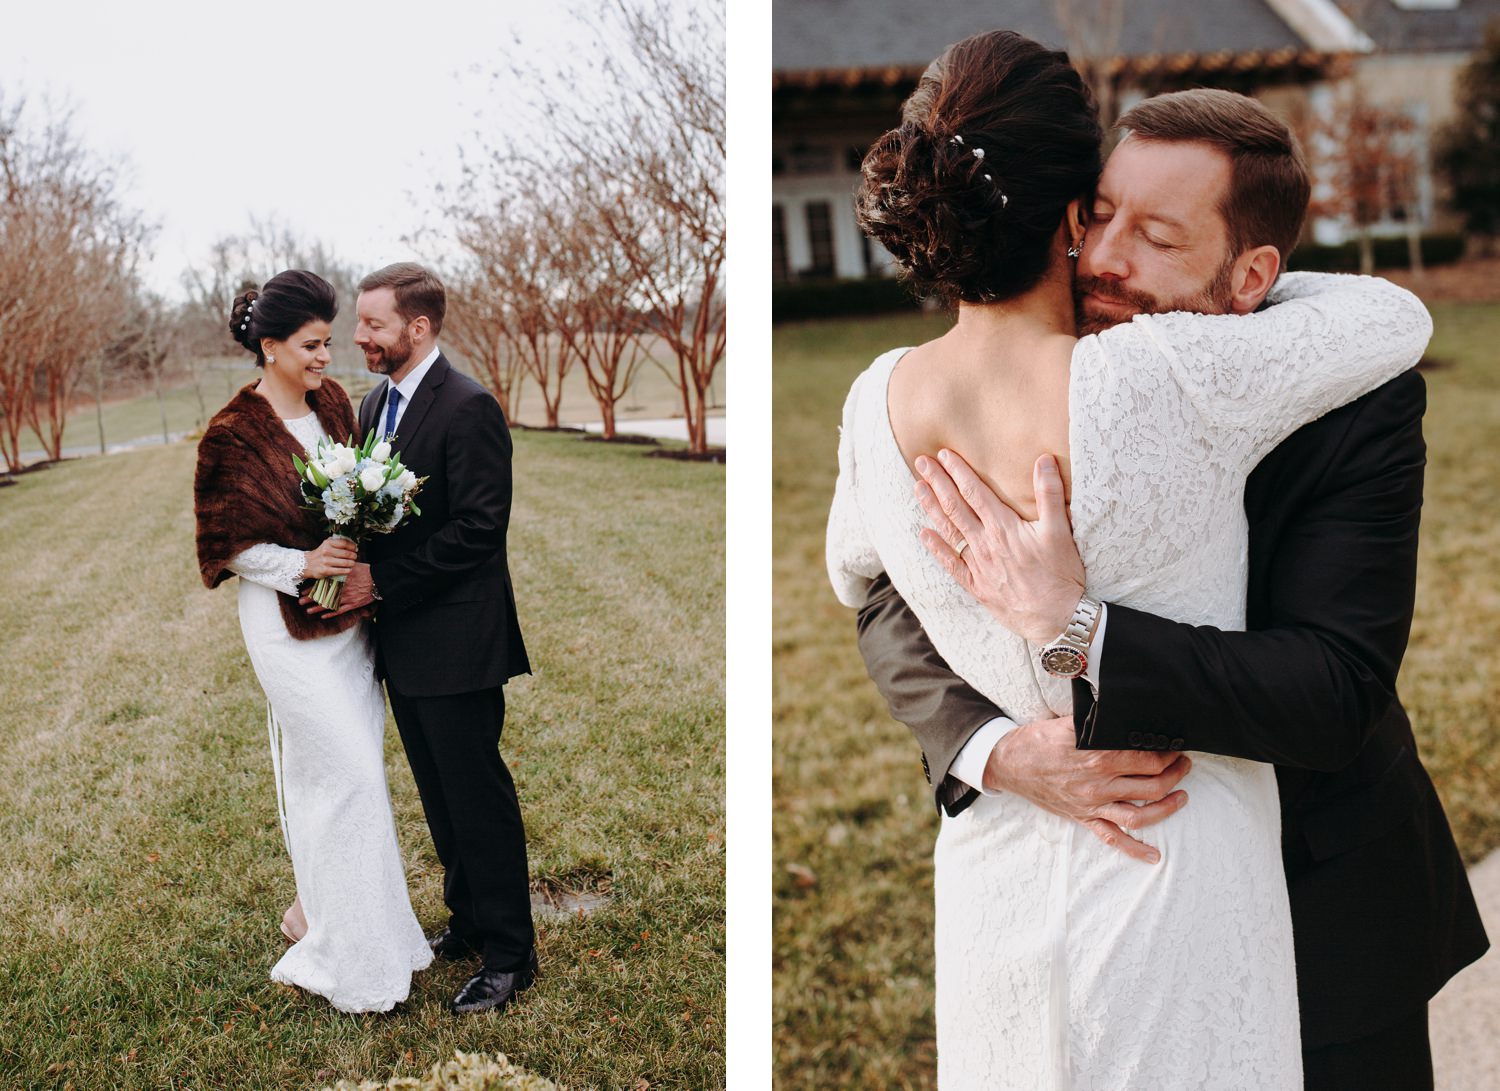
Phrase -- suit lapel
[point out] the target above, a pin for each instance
(421, 402)
(369, 409)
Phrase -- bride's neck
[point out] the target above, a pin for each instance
(289, 402)
(1044, 312)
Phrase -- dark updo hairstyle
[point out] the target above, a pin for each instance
(969, 191)
(286, 303)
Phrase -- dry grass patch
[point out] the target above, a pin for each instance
(146, 874)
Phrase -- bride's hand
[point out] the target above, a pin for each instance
(335, 557)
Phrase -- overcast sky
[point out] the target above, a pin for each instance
(331, 117)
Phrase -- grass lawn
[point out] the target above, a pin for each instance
(146, 874)
(852, 935)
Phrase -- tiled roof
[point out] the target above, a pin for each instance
(1429, 30)
(870, 34)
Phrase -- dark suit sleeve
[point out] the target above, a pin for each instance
(1308, 686)
(941, 709)
(477, 472)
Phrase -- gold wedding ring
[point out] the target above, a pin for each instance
(962, 545)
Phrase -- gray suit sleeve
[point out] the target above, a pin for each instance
(941, 709)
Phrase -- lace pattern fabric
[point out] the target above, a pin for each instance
(363, 941)
(1060, 962)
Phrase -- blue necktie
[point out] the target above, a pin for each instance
(390, 412)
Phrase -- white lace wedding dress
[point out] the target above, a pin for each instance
(1060, 962)
(363, 941)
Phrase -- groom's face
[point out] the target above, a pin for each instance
(1156, 240)
(380, 331)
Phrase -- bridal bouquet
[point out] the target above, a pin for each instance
(362, 491)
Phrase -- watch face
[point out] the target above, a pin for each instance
(1063, 661)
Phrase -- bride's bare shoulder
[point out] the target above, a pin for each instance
(917, 377)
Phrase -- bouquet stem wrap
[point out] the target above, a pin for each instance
(329, 590)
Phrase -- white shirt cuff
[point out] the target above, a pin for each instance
(969, 765)
(1096, 650)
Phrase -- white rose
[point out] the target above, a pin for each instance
(372, 478)
(382, 452)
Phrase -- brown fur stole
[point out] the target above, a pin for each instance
(246, 491)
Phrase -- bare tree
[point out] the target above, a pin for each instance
(668, 215)
(591, 301)
(635, 166)
(516, 283)
(1092, 29)
(1366, 159)
(478, 322)
(69, 250)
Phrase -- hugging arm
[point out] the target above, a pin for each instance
(942, 710)
(1305, 689)
(1308, 684)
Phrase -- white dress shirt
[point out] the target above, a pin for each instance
(969, 765)
(406, 387)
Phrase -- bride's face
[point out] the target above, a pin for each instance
(302, 358)
(1156, 239)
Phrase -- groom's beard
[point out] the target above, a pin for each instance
(390, 359)
(1214, 298)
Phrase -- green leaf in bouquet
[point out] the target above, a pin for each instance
(301, 466)
(415, 510)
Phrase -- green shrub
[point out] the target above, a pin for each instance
(838, 298)
(1438, 248)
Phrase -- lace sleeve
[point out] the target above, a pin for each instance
(1324, 340)
(273, 566)
(851, 555)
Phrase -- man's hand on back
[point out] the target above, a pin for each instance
(1026, 573)
(1099, 788)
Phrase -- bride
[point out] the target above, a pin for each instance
(1062, 963)
(354, 937)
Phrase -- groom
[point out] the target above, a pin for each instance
(1205, 190)
(446, 632)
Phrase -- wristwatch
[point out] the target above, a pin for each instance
(1068, 655)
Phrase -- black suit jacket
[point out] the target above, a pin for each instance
(447, 619)
(1381, 906)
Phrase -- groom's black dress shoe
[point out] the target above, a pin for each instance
(491, 990)
(450, 946)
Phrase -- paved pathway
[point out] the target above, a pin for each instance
(86, 449)
(671, 428)
(1465, 1016)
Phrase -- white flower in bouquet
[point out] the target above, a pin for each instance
(344, 461)
(372, 478)
(381, 452)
